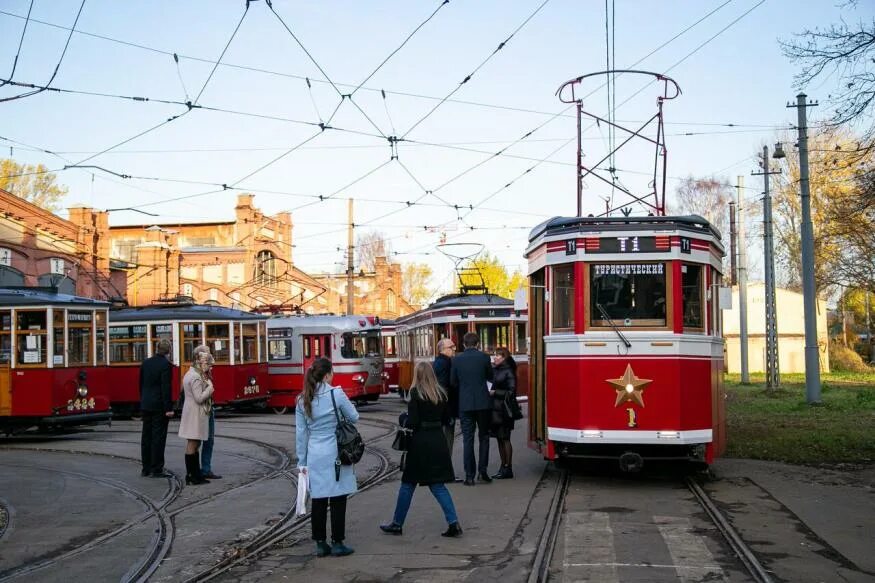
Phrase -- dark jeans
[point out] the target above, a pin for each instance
(481, 419)
(152, 440)
(319, 516)
(207, 449)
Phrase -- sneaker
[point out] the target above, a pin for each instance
(338, 549)
(392, 528)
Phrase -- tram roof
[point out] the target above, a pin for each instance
(558, 225)
(470, 300)
(182, 312)
(44, 296)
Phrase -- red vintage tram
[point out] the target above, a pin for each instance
(496, 320)
(391, 365)
(627, 348)
(53, 359)
(352, 343)
(237, 340)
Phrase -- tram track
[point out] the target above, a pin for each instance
(540, 570)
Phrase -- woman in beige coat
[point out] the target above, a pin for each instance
(197, 386)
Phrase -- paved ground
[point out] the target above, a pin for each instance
(805, 524)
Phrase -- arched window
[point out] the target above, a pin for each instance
(392, 304)
(59, 277)
(10, 277)
(265, 269)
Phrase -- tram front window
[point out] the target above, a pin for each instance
(359, 344)
(629, 294)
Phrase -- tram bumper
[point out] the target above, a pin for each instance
(76, 419)
(259, 400)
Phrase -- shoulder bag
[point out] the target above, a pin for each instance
(512, 408)
(350, 446)
(402, 435)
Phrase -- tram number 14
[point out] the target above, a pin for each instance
(633, 418)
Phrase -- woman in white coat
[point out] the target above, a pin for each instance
(316, 447)
(197, 386)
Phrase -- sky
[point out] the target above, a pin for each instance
(369, 100)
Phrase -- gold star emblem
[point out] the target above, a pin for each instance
(629, 387)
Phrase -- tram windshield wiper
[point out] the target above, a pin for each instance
(605, 316)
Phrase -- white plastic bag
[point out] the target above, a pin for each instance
(303, 491)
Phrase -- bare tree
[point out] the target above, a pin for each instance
(369, 246)
(847, 51)
(707, 197)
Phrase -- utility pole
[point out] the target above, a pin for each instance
(350, 265)
(809, 297)
(733, 249)
(773, 378)
(742, 284)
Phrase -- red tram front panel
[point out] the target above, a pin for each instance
(627, 352)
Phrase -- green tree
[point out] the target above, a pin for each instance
(495, 276)
(32, 183)
(416, 285)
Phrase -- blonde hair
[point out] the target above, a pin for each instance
(426, 383)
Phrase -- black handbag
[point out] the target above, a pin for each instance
(512, 408)
(402, 435)
(350, 446)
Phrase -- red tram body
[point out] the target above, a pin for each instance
(237, 340)
(352, 343)
(496, 320)
(627, 347)
(53, 359)
(391, 366)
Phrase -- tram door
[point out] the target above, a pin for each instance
(315, 346)
(537, 362)
(5, 362)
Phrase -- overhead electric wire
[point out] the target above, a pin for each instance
(57, 67)
(20, 43)
(474, 72)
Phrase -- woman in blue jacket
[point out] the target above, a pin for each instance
(316, 448)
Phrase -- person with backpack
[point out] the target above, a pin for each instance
(316, 446)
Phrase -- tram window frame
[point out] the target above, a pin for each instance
(390, 349)
(5, 337)
(594, 317)
(75, 334)
(190, 341)
(101, 344)
(261, 341)
(689, 286)
(520, 345)
(501, 335)
(155, 335)
(248, 342)
(222, 352)
(135, 346)
(59, 345)
(562, 304)
(283, 337)
(29, 330)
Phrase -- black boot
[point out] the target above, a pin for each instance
(453, 530)
(505, 473)
(193, 470)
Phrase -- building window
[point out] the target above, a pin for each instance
(392, 303)
(265, 269)
(187, 290)
(562, 297)
(5, 256)
(628, 294)
(10, 277)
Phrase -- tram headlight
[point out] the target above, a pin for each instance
(252, 381)
(358, 378)
(82, 391)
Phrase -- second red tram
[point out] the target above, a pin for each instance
(237, 340)
(352, 343)
(496, 320)
(53, 359)
(391, 366)
(627, 347)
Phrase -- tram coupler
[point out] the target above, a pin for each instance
(631, 462)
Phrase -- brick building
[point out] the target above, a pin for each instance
(378, 292)
(243, 263)
(39, 248)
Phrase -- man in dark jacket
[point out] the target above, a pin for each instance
(442, 366)
(470, 372)
(156, 406)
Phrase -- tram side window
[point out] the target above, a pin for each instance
(389, 349)
(352, 347)
(160, 331)
(58, 337)
(562, 297)
(79, 338)
(218, 341)
(127, 344)
(279, 343)
(31, 338)
(628, 294)
(100, 344)
(5, 337)
(493, 336)
(249, 343)
(691, 276)
(191, 338)
(520, 339)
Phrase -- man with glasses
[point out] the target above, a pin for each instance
(442, 366)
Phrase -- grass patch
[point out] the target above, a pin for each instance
(780, 425)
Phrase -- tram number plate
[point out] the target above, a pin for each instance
(571, 246)
(686, 245)
(250, 390)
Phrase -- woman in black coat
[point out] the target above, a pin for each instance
(503, 390)
(428, 460)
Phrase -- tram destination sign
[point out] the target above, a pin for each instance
(632, 244)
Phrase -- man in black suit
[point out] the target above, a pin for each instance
(471, 370)
(156, 406)
(443, 365)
